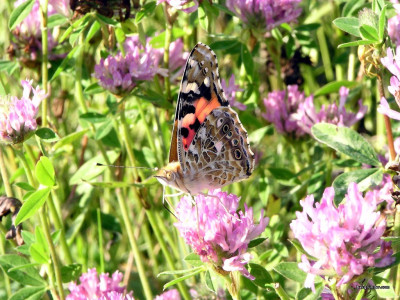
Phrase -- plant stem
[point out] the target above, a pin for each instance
(45, 73)
(4, 175)
(281, 292)
(326, 60)
(121, 201)
(168, 35)
(388, 126)
(150, 138)
(5, 276)
(150, 214)
(100, 233)
(53, 254)
(45, 228)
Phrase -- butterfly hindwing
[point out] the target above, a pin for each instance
(200, 93)
(220, 154)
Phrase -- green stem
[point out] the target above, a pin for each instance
(4, 175)
(5, 276)
(168, 35)
(281, 292)
(275, 53)
(150, 213)
(351, 65)
(100, 232)
(45, 73)
(121, 200)
(59, 226)
(150, 137)
(326, 60)
(388, 125)
(53, 254)
(45, 228)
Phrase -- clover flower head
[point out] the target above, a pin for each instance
(120, 74)
(265, 14)
(280, 106)
(102, 287)
(28, 33)
(182, 5)
(307, 115)
(343, 239)
(230, 91)
(18, 116)
(169, 295)
(217, 232)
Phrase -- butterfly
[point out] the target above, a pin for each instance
(209, 146)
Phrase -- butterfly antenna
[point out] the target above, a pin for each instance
(126, 167)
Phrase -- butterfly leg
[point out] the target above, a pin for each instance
(167, 204)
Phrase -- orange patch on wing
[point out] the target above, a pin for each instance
(204, 107)
(188, 120)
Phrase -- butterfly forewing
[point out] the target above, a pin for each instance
(200, 93)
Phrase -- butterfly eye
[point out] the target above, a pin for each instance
(238, 154)
(235, 142)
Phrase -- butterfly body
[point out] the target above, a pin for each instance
(209, 147)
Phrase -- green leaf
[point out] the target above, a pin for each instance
(224, 44)
(44, 172)
(369, 33)
(25, 186)
(365, 178)
(291, 271)
(308, 27)
(47, 135)
(194, 260)
(23, 267)
(382, 23)
(384, 293)
(180, 272)
(285, 176)
(69, 139)
(76, 24)
(177, 280)
(146, 10)
(29, 293)
(38, 254)
(26, 276)
(203, 18)
(32, 204)
(262, 277)
(346, 141)
(247, 60)
(93, 89)
(56, 20)
(89, 170)
(105, 20)
(256, 242)
(349, 25)
(71, 272)
(93, 117)
(2, 90)
(351, 6)
(92, 31)
(334, 87)
(64, 63)
(257, 135)
(20, 13)
(356, 43)
(103, 130)
(308, 294)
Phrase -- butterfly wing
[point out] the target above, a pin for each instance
(200, 93)
(220, 154)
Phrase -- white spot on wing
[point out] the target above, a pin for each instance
(218, 146)
(207, 81)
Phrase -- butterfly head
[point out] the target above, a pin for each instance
(170, 175)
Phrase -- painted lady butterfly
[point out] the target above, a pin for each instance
(209, 147)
